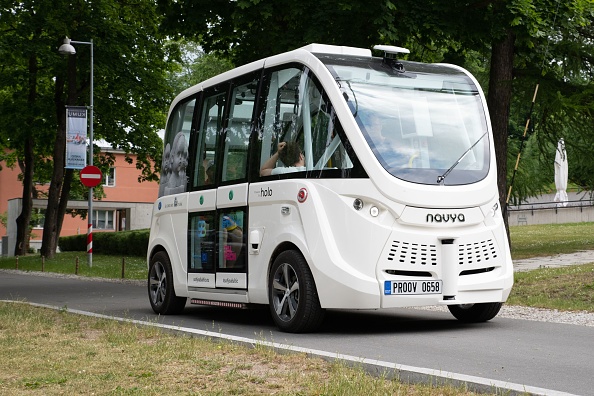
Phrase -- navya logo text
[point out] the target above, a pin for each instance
(445, 218)
(264, 192)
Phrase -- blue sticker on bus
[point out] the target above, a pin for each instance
(387, 287)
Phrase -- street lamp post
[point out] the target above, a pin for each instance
(68, 49)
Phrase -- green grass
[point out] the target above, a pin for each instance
(49, 352)
(104, 266)
(566, 289)
(550, 239)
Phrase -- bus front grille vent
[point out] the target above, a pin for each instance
(413, 253)
(477, 252)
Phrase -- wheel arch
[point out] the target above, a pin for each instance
(179, 279)
(283, 247)
(154, 250)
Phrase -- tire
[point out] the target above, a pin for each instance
(294, 302)
(475, 313)
(160, 286)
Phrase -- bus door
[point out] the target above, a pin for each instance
(218, 203)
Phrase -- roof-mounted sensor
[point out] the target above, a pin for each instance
(390, 51)
(390, 56)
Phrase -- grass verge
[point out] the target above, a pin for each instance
(53, 353)
(104, 266)
(566, 289)
(550, 239)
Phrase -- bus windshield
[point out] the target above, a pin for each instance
(424, 123)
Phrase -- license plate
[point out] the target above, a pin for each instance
(411, 287)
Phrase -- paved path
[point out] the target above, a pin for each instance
(560, 260)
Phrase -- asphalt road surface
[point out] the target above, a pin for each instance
(547, 358)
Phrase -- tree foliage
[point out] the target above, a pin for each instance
(196, 66)
(247, 30)
(512, 45)
(131, 93)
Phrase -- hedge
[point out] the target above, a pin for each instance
(121, 243)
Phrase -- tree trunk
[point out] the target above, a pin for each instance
(24, 218)
(52, 224)
(499, 101)
(63, 205)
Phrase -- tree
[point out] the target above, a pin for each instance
(131, 94)
(521, 42)
(196, 66)
(21, 110)
(247, 30)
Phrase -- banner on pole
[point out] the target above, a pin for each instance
(76, 137)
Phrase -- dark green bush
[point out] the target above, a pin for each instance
(74, 243)
(122, 243)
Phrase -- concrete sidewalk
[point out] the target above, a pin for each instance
(560, 260)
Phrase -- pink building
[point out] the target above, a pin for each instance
(126, 206)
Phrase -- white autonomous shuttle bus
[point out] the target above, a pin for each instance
(326, 178)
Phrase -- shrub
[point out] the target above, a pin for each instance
(121, 243)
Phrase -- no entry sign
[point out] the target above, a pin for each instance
(91, 176)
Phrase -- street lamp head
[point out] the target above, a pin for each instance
(67, 48)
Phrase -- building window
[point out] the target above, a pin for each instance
(103, 219)
(110, 178)
(37, 218)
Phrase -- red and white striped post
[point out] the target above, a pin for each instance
(90, 239)
(90, 176)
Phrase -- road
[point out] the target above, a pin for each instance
(548, 358)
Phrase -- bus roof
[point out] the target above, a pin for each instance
(312, 49)
(337, 50)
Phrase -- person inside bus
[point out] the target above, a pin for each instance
(210, 173)
(290, 154)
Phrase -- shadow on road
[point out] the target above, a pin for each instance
(346, 322)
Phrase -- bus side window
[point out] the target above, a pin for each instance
(201, 241)
(175, 152)
(211, 124)
(297, 110)
(232, 241)
(238, 132)
(281, 117)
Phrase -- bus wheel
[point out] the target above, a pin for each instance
(475, 313)
(294, 301)
(160, 286)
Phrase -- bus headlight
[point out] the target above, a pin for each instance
(358, 204)
(374, 211)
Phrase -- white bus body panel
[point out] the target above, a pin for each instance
(348, 251)
(169, 230)
(351, 253)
